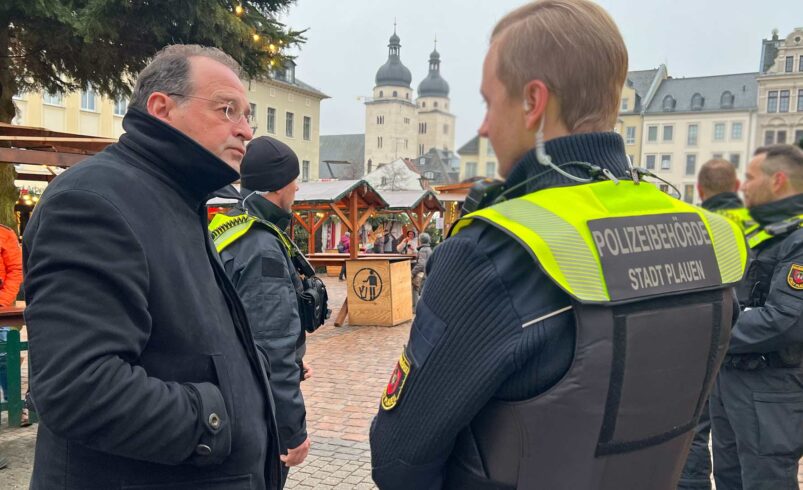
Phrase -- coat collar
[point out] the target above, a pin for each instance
(723, 200)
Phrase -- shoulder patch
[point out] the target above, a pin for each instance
(393, 391)
(795, 277)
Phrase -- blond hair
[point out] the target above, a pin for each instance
(575, 48)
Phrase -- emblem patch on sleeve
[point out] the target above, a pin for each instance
(795, 277)
(394, 388)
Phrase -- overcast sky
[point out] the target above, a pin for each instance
(347, 42)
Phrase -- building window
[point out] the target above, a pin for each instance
(271, 120)
(799, 137)
(769, 137)
(736, 131)
(652, 134)
(664, 188)
(800, 100)
(719, 132)
(800, 63)
(624, 105)
(630, 135)
(726, 101)
(253, 108)
(650, 162)
(697, 102)
(120, 106)
(422, 128)
(717, 156)
(490, 169)
(420, 150)
(395, 93)
(288, 130)
(790, 62)
(304, 171)
(435, 103)
(666, 162)
(784, 104)
(780, 137)
(445, 129)
(735, 158)
(423, 104)
(54, 99)
(691, 139)
(669, 132)
(429, 175)
(691, 164)
(88, 99)
(307, 128)
(772, 101)
(406, 120)
(669, 103)
(688, 193)
(471, 169)
(381, 93)
(379, 142)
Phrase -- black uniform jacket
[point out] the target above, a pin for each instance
(773, 288)
(143, 366)
(722, 201)
(467, 344)
(261, 271)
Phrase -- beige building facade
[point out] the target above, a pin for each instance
(780, 90)
(477, 159)
(692, 120)
(637, 93)
(285, 108)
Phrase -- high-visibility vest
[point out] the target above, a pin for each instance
(742, 218)
(226, 230)
(649, 280)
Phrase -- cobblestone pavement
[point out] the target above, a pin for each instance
(350, 368)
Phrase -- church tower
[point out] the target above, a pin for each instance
(435, 122)
(390, 117)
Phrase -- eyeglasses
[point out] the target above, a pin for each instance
(233, 114)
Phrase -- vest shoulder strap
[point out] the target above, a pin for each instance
(226, 230)
(774, 230)
(606, 242)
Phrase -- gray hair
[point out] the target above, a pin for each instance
(784, 158)
(424, 239)
(169, 71)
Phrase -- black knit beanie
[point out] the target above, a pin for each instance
(268, 165)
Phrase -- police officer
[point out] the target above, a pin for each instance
(256, 259)
(544, 352)
(717, 185)
(757, 402)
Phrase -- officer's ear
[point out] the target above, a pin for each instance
(780, 181)
(536, 95)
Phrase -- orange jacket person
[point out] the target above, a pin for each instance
(11, 270)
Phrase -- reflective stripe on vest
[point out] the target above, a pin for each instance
(226, 230)
(762, 236)
(742, 218)
(554, 225)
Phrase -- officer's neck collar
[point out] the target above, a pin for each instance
(723, 200)
(606, 150)
(264, 209)
(776, 211)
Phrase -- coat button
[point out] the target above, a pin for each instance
(214, 421)
(203, 450)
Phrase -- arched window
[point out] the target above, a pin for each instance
(697, 102)
(381, 93)
(395, 94)
(407, 96)
(726, 101)
(669, 103)
(423, 104)
(436, 104)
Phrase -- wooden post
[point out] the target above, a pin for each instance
(354, 217)
(311, 234)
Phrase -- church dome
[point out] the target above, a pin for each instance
(393, 72)
(434, 85)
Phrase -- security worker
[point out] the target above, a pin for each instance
(757, 401)
(717, 185)
(544, 352)
(256, 256)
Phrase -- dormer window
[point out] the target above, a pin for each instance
(726, 101)
(697, 102)
(669, 104)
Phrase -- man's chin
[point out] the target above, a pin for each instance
(232, 162)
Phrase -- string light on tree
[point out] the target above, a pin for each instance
(238, 10)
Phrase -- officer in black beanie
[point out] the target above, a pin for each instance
(257, 260)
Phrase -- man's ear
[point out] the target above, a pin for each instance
(737, 185)
(160, 106)
(779, 182)
(536, 96)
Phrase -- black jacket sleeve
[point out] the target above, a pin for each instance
(779, 322)
(462, 347)
(87, 316)
(262, 278)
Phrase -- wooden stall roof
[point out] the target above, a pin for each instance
(25, 145)
(453, 192)
(405, 200)
(323, 193)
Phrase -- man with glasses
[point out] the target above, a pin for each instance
(143, 364)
